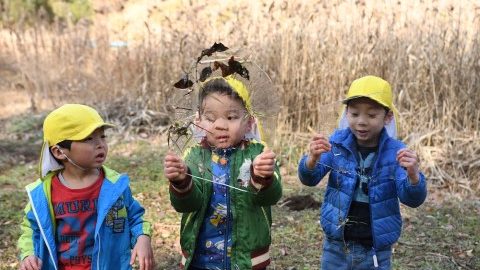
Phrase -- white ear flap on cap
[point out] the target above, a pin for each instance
(342, 122)
(254, 132)
(391, 128)
(47, 161)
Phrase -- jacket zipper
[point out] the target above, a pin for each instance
(204, 184)
(187, 221)
(344, 218)
(266, 220)
(99, 250)
(372, 195)
(227, 232)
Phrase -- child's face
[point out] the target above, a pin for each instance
(366, 118)
(90, 152)
(225, 120)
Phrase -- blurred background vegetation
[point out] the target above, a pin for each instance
(30, 12)
(123, 55)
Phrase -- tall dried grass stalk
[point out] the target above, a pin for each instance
(429, 51)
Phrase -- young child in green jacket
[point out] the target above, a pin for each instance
(226, 184)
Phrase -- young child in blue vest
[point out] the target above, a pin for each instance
(81, 214)
(370, 172)
(225, 224)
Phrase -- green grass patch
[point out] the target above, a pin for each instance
(435, 236)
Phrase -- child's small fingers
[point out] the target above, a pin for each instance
(172, 158)
(401, 153)
(172, 175)
(267, 155)
(28, 265)
(172, 169)
(320, 150)
(37, 263)
(316, 137)
(325, 147)
(264, 168)
(151, 260)
(266, 161)
(141, 262)
(406, 152)
(134, 254)
(172, 164)
(408, 158)
(321, 144)
(34, 264)
(148, 264)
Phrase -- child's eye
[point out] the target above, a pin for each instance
(232, 117)
(209, 119)
(354, 114)
(372, 115)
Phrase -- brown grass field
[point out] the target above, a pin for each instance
(428, 50)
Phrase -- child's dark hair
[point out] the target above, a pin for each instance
(219, 86)
(63, 144)
(384, 107)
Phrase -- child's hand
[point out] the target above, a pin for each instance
(143, 250)
(318, 145)
(31, 262)
(409, 160)
(174, 168)
(264, 164)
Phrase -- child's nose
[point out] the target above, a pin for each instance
(362, 120)
(99, 142)
(221, 123)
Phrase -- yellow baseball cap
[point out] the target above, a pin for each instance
(374, 88)
(69, 122)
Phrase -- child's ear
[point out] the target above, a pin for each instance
(57, 152)
(250, 123)
(197, 118)
(388, 117)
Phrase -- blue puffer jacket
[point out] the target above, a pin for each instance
(388, 185)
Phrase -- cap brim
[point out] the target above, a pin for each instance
(88, 130)
(345, 101)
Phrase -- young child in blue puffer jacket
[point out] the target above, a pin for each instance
(370, 171)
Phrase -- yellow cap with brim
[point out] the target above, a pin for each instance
(376, 89)
(72, 122)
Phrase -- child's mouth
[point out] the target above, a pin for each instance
(362, 132)
(222, 139)
(100, 156)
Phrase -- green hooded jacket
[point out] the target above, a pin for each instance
(251, 235)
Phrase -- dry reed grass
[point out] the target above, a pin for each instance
(429, 51)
